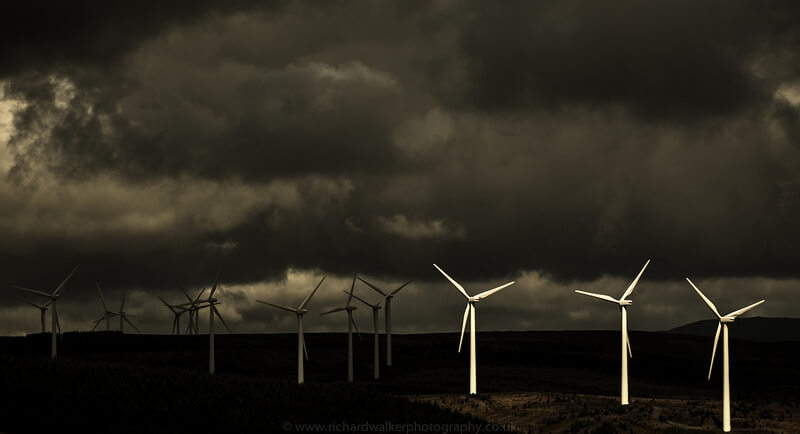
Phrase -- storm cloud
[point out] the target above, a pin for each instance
(570, 141)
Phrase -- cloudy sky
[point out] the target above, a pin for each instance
(557, 144)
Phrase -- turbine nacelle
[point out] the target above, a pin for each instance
(727, 319)
(625, 302)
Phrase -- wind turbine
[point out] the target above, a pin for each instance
(211, 303)
(388, 296)
(723, 324)
(124, 317)
(375, 308)
(107, 315)
(626, 343)
(301, 340)
(42, 309)
(351, 324)
(192, 308)
(177, 311)
(53, 296)
(469, 313)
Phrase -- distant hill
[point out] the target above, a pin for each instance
(757, 329)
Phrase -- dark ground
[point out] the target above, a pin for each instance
(125, 380)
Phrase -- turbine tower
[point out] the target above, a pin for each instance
(53, 296)
(626, 343)
(469, 313)
(301, 340)
(351, 324)
(388, 296)
(42, 310)
(212, 303)
(375, 308)
(723, 324)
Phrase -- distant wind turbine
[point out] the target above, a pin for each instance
(107, 314)
(299, 311)
(351, 324)
(53, 296)
(211, 303)
(124, 316)
(469, 314)
(723, 324)
(626, 343)
(375, 308)
(388, 296)
(177, 311)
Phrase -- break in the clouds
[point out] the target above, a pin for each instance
(570, 140)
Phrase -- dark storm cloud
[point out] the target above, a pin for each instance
(662, 60)
(47, 35)
(573, 138)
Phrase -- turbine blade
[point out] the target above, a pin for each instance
(352, 288)
(736, 313)
(374, 287)
(125, 317)
(97, 322)
(191, 300)
(34, 291)
(122, 305)
(199, 295)
(222, 320)
(305, 350)
(463, 327)
(168, 305)
(360, 299)
(303, 304)
(456, 284)
(355, 326)
(32, 303)
(58, 323)
(714, 351)
(399, 288)
(630, 351)
(214, 287)
(635, 281)
(600, 296)
(66, 279)
(485, 294)
(338, 309)
(290, 309)
(705, 299)
(102, 299)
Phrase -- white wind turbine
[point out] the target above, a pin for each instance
(351, 324)
(301, 340)
(375, 308)
(388, 296)
(626, 343)
(469, 313)
(53, 296)
(723, 324)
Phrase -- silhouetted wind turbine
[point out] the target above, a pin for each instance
(626, 343)
(42, 310)
(388, 296)
(53, 296)
(211, 303)
(375, 308)
(301, 340)
(124, 316)
(177, 311)
(351, 324)
(723, 324)
(469, 313)
(107, 314)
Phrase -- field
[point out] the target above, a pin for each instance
(527, 382)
